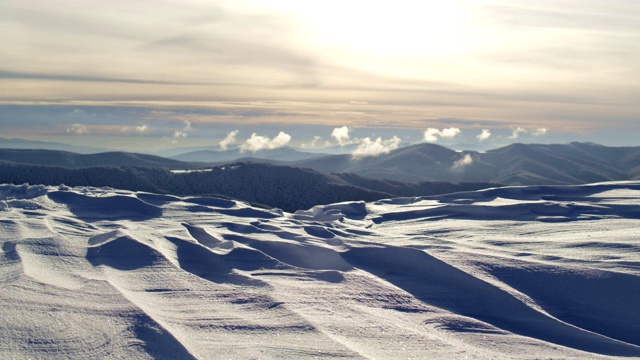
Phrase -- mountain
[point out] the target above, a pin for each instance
(518, 272)
(182, 150)
(516, 164)
(422, 162)
(73, 160)
(284, 187)
(213, 156)
(44, 145)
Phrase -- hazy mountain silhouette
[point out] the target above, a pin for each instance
(516, 164)
(46, 145)
(74, 160)
(423, 169)
(215, 156)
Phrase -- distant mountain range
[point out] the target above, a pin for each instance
(72, 160)
(423, 169)
(516, 164)
(284, 154)
(46, 145)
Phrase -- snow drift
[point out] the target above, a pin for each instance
(520, 272)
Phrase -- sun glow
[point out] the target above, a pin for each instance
(392, 39)
(406, 28)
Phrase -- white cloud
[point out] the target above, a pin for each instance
(258, 142)
(280, 140)
(375, 148)
(313, 142)
(139, 129)
(449, 133)
(463, 161)
(432, 134)
(78, 129)
(229, 140)
(516, 133)
(539, 132)
(181, 133)
(341, 135)
(484, 135)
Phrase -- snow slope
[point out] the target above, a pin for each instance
(518, 272)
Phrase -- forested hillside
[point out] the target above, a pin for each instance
(284, 187)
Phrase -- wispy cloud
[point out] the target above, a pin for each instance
(539, 131)
(310, 67)
(519, 131)
(229, 140)
(313, 143)
(179, 134)
(78, 129)
(184, 132)
(375, 147)
(258, 142)
(516, 133)
(432, 134)
(484, 135)
(463, 161)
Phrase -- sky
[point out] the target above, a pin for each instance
(145, 75)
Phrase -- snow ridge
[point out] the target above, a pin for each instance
(519, 272)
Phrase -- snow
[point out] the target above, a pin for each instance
(516, 272)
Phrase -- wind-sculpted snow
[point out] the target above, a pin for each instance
(519, 272)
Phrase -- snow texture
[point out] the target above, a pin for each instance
(516, 272)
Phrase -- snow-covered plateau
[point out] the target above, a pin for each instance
(515, 272)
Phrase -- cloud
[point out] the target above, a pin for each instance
(539, 132)
(432, 134)
(184, 132)
(450, 133)
(484, 135)
(516, 133)
(229, 140)
(341, 135)
(375, 148)
(179, 134)
(78, 129)
(358, 102)
(257, 142)
(313, 142)
(142, 128)
(463, 161)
